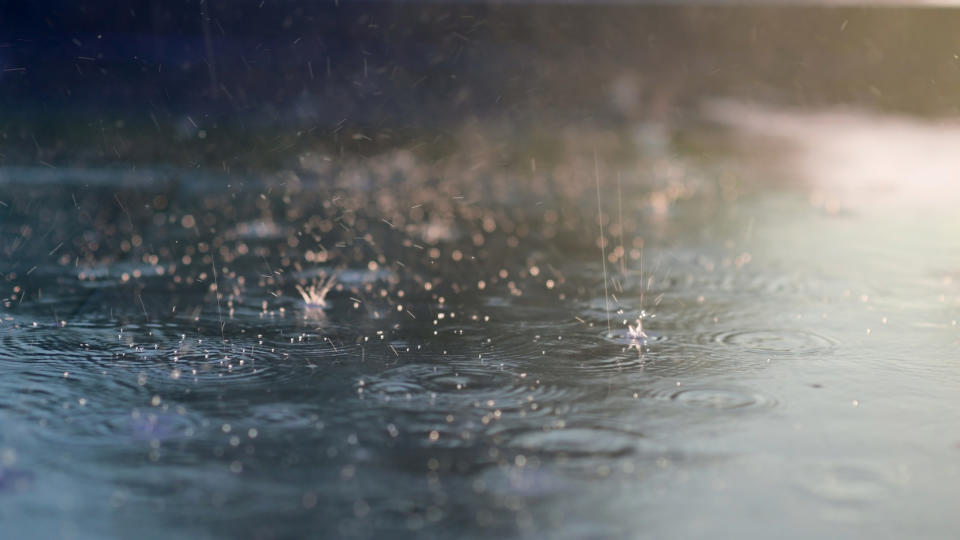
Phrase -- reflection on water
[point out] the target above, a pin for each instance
(855, 159)
(160, 369)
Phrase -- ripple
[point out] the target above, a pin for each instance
(391, 389)
(44, 344)
(462, 378)
(773, 342)
(285, 416)
(848, 483)
(449, 406)
(575, 352)
(607, 365)
(573, 442)
(465, 385)
(231, 365)
(715, 397)
(78, 384)
(155, 426)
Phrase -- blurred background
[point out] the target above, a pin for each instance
(251, 83)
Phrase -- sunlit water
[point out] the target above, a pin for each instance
(799, 372)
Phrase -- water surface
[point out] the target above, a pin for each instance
(473, 374)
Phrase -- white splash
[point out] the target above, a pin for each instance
(638, 338)
(315, 294)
